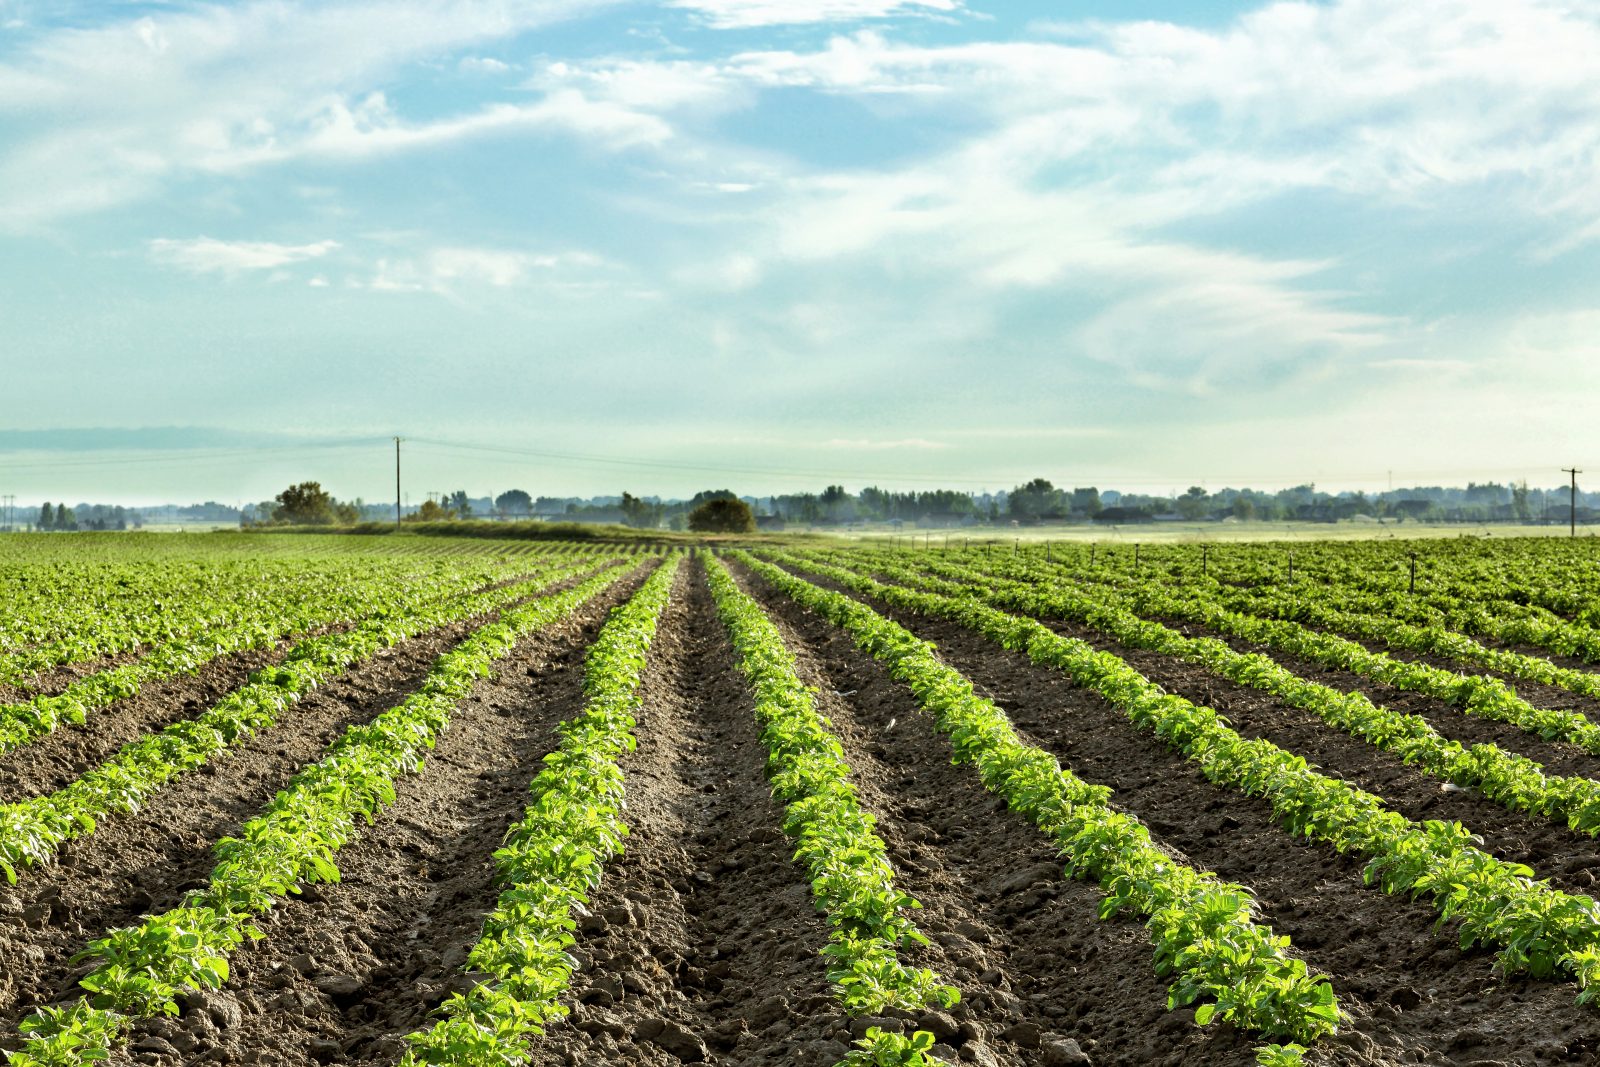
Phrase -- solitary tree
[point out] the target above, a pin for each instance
(1036, 500)
(514, 502)
(47, 516)
(306, 504)
(722, 516)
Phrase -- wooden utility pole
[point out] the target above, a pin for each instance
(1572, 514)
(397, 482)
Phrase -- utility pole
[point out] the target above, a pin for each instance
(1572, 519)
(397, 482)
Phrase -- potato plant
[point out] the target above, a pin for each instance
(852, 880)
(1538, 930)
(32, 830)
(140, 970)
(1206, 934)
(553, 857)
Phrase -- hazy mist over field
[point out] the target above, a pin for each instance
(775, 245)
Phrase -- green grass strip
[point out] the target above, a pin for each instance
(295, 839)
(552, 859)
(1205, 930)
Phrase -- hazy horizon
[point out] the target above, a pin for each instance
(581, 247)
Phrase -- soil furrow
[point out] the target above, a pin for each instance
(1558, 757)
(347, 969)
(1040, 974)
(57, 758)
(1412, 993)
(704, 944)
(1521, 838)
(144, 862)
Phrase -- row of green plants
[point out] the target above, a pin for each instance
(139, 971)
(100, 612)
(1479, 695)
(1524, 611)
(31, 830)
(1541, 578)
(553, 858)
(1371, 623)
(1207, 935)
(1511, 780)
(1537, 930)
(73, 600)
(255, 625)
(852, 880)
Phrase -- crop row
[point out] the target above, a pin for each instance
(852, 880)
(32, 830)
(142, 969)
(1511, 780)
(1478, 695)
(258, 627)
(1537, 929)
(552, 858)
(1205, 930)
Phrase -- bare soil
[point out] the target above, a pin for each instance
(703, 944)
(1413, 995)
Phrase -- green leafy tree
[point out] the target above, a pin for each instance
(1519, 501)
(722, 516)
(306, 504)
(1036, 500)
(459, 504)
(1192, 504)
(514, 502)
(431, 511)
(47, 516)
(640, 513)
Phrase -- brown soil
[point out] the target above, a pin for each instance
(144, 862)
(704, 944)
(1510, 835)
(1557, 757)
(52, 761)
(347, 968)
(1412, 994)
(1022, 942)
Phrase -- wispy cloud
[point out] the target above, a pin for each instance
(748, 14)
(203, 255)
(448, 271)
(867, 444)
(98, 117)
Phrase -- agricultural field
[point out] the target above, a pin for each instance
(410, 800)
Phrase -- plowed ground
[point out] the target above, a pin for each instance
(703, 944)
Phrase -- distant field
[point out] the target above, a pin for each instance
(1157, 532)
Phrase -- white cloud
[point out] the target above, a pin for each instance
(203, 255)
(865, 444)
(447, 271)
(484, 65)
(746, 14)
(97, 117)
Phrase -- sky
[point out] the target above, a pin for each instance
(582, 247)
